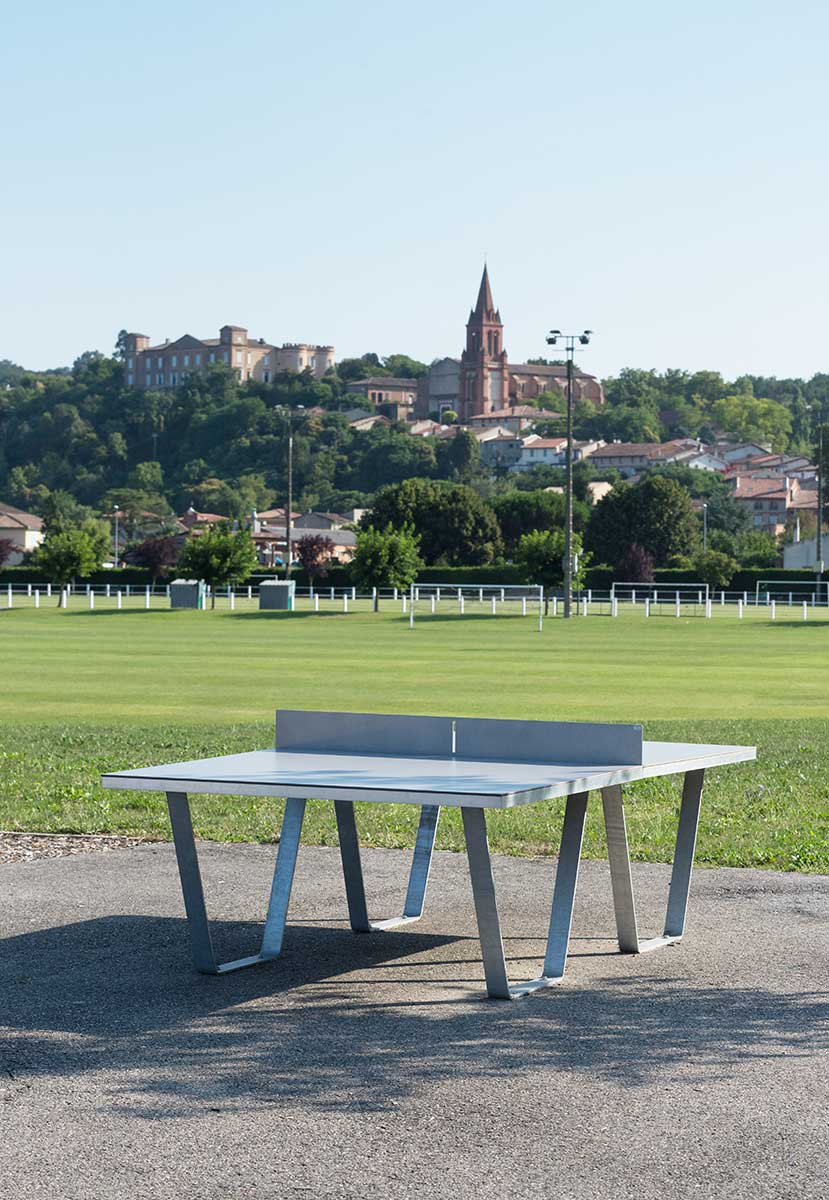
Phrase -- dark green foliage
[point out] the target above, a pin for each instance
(656, 513)
(385, 558)
(454, 525)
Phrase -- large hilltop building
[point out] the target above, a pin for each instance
(167, 364)
(483, 381)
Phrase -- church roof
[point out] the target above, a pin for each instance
(484, 307)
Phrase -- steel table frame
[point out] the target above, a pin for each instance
(310, 756)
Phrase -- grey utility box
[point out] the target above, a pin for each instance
(277, 594)
(187, 593)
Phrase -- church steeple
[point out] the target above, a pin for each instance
(484, 369)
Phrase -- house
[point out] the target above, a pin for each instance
(631, 458)
(24, 530)
(768, 500)
(538, 451)
(500, 448)
(368, 421)
(597, 489)
(706, 461)
(193, 519)
(735, 452)
(271, 542)
(518, 417)
(320, 520)
(394, 398)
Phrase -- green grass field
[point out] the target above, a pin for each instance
(82, 692)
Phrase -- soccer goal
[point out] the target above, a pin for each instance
(792, 591)
(474, 599)
(660, 593)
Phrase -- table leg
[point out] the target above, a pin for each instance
(561, 915)
(486, 907)
(193, 891)
(620, 872)
(353, 871)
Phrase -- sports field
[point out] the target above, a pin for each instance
(82, 692)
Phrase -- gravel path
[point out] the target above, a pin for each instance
(26, 847)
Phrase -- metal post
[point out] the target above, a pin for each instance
(91, 599)
(290, 510)
(37, 598)
(705, 527)
(568, 491)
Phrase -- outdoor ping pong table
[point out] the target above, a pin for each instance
(468, 763)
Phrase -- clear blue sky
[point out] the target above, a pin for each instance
(336, 172)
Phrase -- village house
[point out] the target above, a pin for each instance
(24, 530)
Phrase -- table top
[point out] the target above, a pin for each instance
(454, 781)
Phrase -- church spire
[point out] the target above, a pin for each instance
(484, 305)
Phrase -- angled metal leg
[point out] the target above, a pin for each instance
(486, 908)
(419, 873)
(193, 892)
(353, 871)
(686, 841)
(191, 885)
(620, 873)
(561, 915)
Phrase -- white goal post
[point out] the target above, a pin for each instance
(664, 593)
(812, 589)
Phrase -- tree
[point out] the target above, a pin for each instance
(157, 554)
(314, 552)
(385, 557)
(635, 565)
(218, 556)
(522, 512)
(755, 548)
(539, 557)
(7, 549)
(715, 568)
(455, 526)
(753, 419)
(67, 553)
(656, 514)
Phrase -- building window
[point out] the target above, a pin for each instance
(129, 379)
(160, 362)
(174, 363)
(211, 357)
(238, 358)
(173, 379)
(226, 356)
(129, 364)
(187, 360)
(198, 360)
(159, 380)
(248, 357)
(266, 376)
(149, 380)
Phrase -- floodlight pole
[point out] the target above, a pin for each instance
(116, 510)
(290, 510)
(819, 538)
(705, 527)
(570, 340)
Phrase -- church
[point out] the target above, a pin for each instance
(483, 382)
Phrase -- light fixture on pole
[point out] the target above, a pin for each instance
(570, 340)
(289, 512)
(819, 529)
(116, 510)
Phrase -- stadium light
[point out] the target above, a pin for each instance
(570, 347)
(289, 513)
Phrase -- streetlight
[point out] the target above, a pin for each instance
(116, 510)
(705, 526)
(819, 530)
(569, 340)
(289, 515)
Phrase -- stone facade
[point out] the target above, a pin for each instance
(168, 364)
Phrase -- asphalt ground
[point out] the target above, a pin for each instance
(370, 1066)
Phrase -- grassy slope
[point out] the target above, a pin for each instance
(83, 692)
